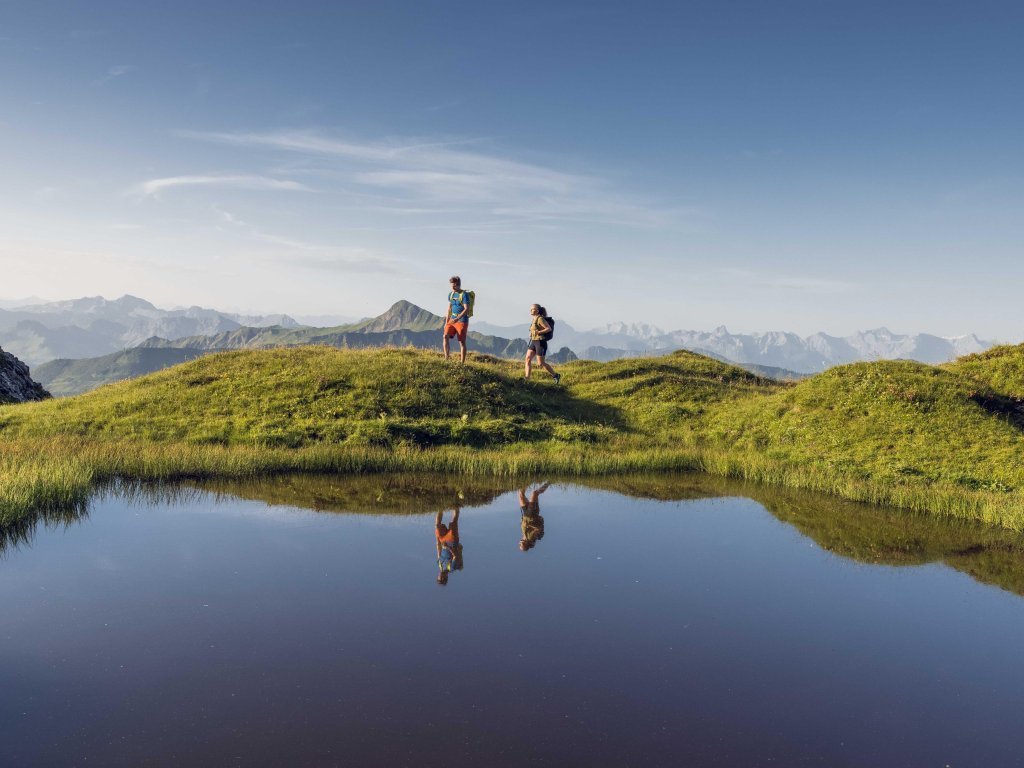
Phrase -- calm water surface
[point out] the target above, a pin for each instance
(205, 628)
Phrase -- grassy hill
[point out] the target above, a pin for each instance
(912, 435)
(390, 397)
(665, 397)
(1000, 369)
(888, 420)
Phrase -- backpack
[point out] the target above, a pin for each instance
(547, 335)
(469, 297)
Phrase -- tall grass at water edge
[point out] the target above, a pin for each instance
(51, 474)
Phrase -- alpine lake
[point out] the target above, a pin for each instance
(637, 621)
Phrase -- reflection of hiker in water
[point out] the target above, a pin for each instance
(449, 550)
(531, 521)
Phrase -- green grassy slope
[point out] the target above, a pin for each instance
(1001, 369)
(296, 397)
(665, 397)
(893, 421)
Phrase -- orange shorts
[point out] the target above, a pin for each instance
(456, 329)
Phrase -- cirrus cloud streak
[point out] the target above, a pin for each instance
(153, 187)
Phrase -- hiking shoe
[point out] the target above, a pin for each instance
(558, 378)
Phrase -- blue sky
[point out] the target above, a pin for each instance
(767, 165)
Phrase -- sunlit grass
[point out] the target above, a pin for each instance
(897, 433)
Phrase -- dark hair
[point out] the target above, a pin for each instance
(455, 279)
(542, 311)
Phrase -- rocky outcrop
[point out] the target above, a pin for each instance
(16, 385)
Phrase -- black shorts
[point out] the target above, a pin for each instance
(539, 346)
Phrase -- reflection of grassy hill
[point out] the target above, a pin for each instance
(877, 535)
(862, 532)
(391, 494)
(902, 433)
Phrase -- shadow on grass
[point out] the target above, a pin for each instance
(1009, 408)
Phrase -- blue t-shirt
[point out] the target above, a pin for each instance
(458, 300)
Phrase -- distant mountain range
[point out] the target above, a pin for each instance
(403, 325)
(87, 339)
(806, 355)
(94, 326)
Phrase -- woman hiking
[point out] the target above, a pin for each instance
(540, 331)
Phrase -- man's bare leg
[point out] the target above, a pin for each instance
(444, 346)
(462, 351)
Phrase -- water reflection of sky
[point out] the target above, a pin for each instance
(226, 631)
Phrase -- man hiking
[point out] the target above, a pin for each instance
(541, 330)
(457, 318)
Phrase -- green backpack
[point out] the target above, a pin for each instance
(469, 297)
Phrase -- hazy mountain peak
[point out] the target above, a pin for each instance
(131, 302)
(403, 315)
(636, 330)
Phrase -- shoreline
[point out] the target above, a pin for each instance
(38, 475)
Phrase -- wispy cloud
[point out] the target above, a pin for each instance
(796, 282)
(448, 176)
(153, 187)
